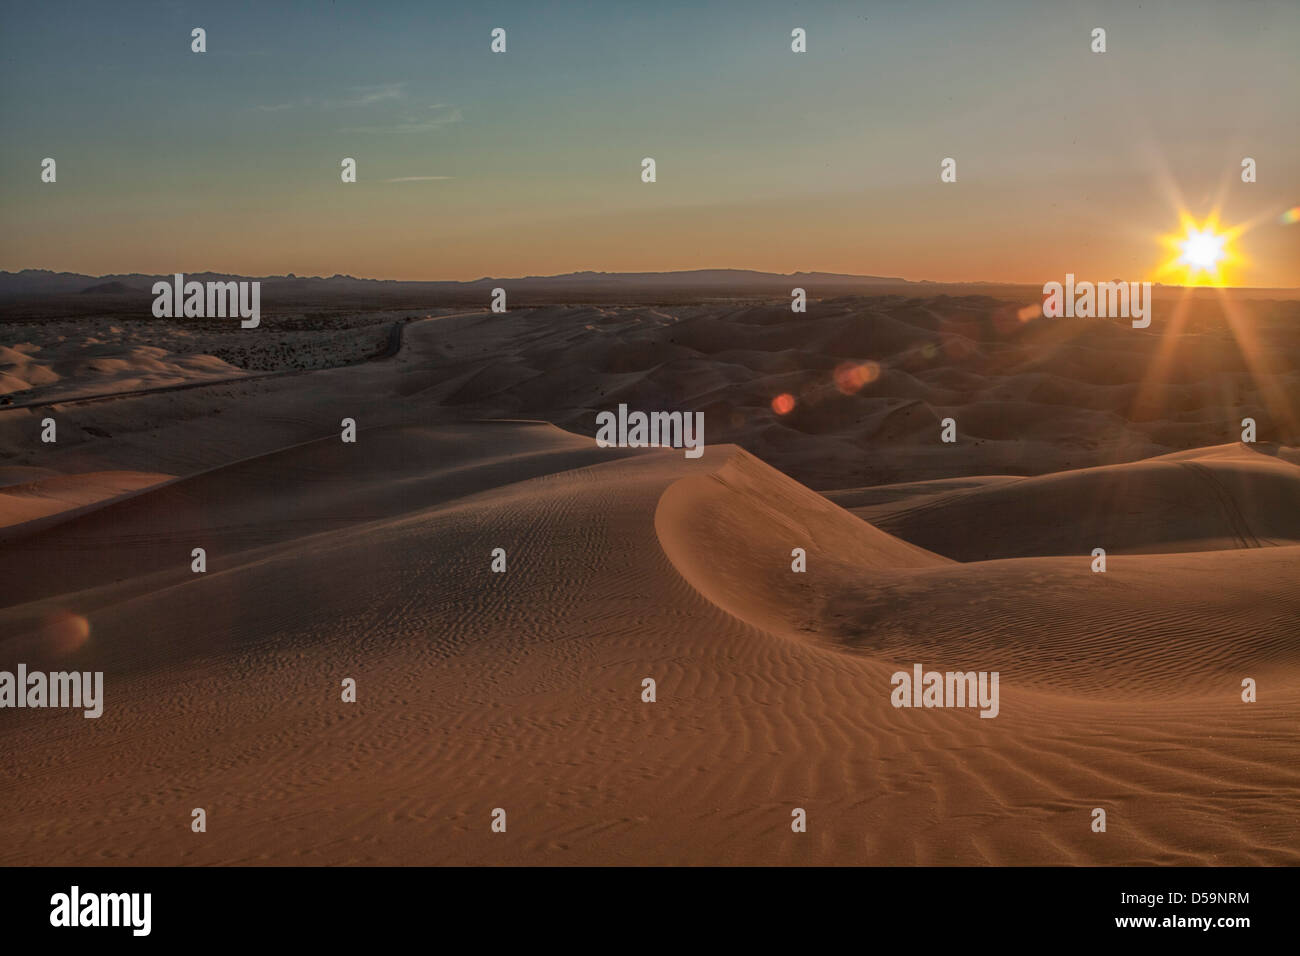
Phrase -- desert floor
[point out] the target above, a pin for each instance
(523, 690)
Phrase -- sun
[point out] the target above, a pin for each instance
(1203, 250)
(1202, 253)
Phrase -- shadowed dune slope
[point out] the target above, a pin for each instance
(731, 533)
(1222, 497)
(279, 497)
(46, 496)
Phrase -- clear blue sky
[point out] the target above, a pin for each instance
(476, 164)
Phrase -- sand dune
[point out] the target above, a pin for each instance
(243, 505)
(63, 360)
(70, 364)
(1228, 496)
(522, 689)
(21, 502)
(1052, 622)
(1028, 398)
(731, 533)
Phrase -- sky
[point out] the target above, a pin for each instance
(475, 164)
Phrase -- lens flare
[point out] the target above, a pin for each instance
(783, 404)
(850, 377)
(1291, 216)
(63, 632)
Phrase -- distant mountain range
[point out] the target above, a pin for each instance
(44, 282)
(40, 293)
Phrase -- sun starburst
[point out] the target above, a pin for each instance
(1201, 254)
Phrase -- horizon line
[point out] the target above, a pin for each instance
(878, 279)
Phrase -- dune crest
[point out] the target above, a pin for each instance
(60, 494)
(731, 534)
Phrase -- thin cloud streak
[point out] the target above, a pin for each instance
(360, 96)
(413, 124)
